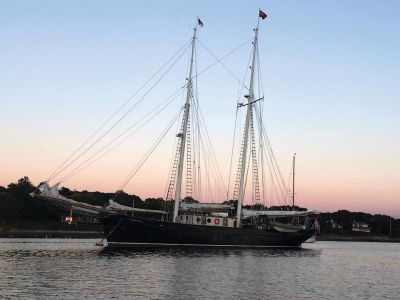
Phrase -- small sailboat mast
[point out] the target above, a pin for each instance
(250, 100)
(294, 165)
(182, 135)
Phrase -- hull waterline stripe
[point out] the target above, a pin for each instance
(127, 244)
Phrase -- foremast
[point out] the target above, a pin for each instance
(250, 101)
(182, 135)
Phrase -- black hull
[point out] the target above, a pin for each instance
(126, 231)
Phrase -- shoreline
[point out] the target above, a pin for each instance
(358, 238)
(84, 234)
(58, 233)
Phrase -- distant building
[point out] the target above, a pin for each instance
(78, 219)
(335, 225)
(360, 227)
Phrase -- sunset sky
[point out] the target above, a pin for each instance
(331, 80)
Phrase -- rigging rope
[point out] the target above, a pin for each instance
(196, 131)
(67, 163)
(146, 155)
(232, 149)
(274, 165)
(78, 169)
(211, 149)
(172, 160)
(234, 131)
(220, 61)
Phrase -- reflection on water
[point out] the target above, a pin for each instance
(204, 252)
(70, 269)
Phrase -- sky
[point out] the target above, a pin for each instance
(330, 69)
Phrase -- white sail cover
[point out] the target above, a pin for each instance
(278, 213)
(52, 195)
(112, 205)
(206, 206)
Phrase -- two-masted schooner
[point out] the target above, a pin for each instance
(201, 224)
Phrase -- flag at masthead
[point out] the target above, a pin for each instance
(262, 14)
(199, 22)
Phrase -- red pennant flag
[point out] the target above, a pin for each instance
(199, 22)
(262, 14)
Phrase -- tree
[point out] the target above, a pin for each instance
(28, 207)
(10, 209)
(231, 202)
(126, 199)
(189, 200)
(22, 188)
(87, 197)
(66, 192)
(155, 203)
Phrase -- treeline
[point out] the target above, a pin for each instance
(342, 221)
(17, 204)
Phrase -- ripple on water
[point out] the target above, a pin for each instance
(70, 269)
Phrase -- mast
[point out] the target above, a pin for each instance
(294, 165)
(182, 135)
(250, 99)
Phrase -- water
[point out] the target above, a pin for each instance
(71, 269)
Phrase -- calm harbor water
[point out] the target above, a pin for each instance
(76, 269)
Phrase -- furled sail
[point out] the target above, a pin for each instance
(51, 194)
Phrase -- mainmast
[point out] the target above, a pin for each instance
(182, 135)
(250, 100)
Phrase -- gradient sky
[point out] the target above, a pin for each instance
(331, 73)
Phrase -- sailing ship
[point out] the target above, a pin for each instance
(191, 223)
